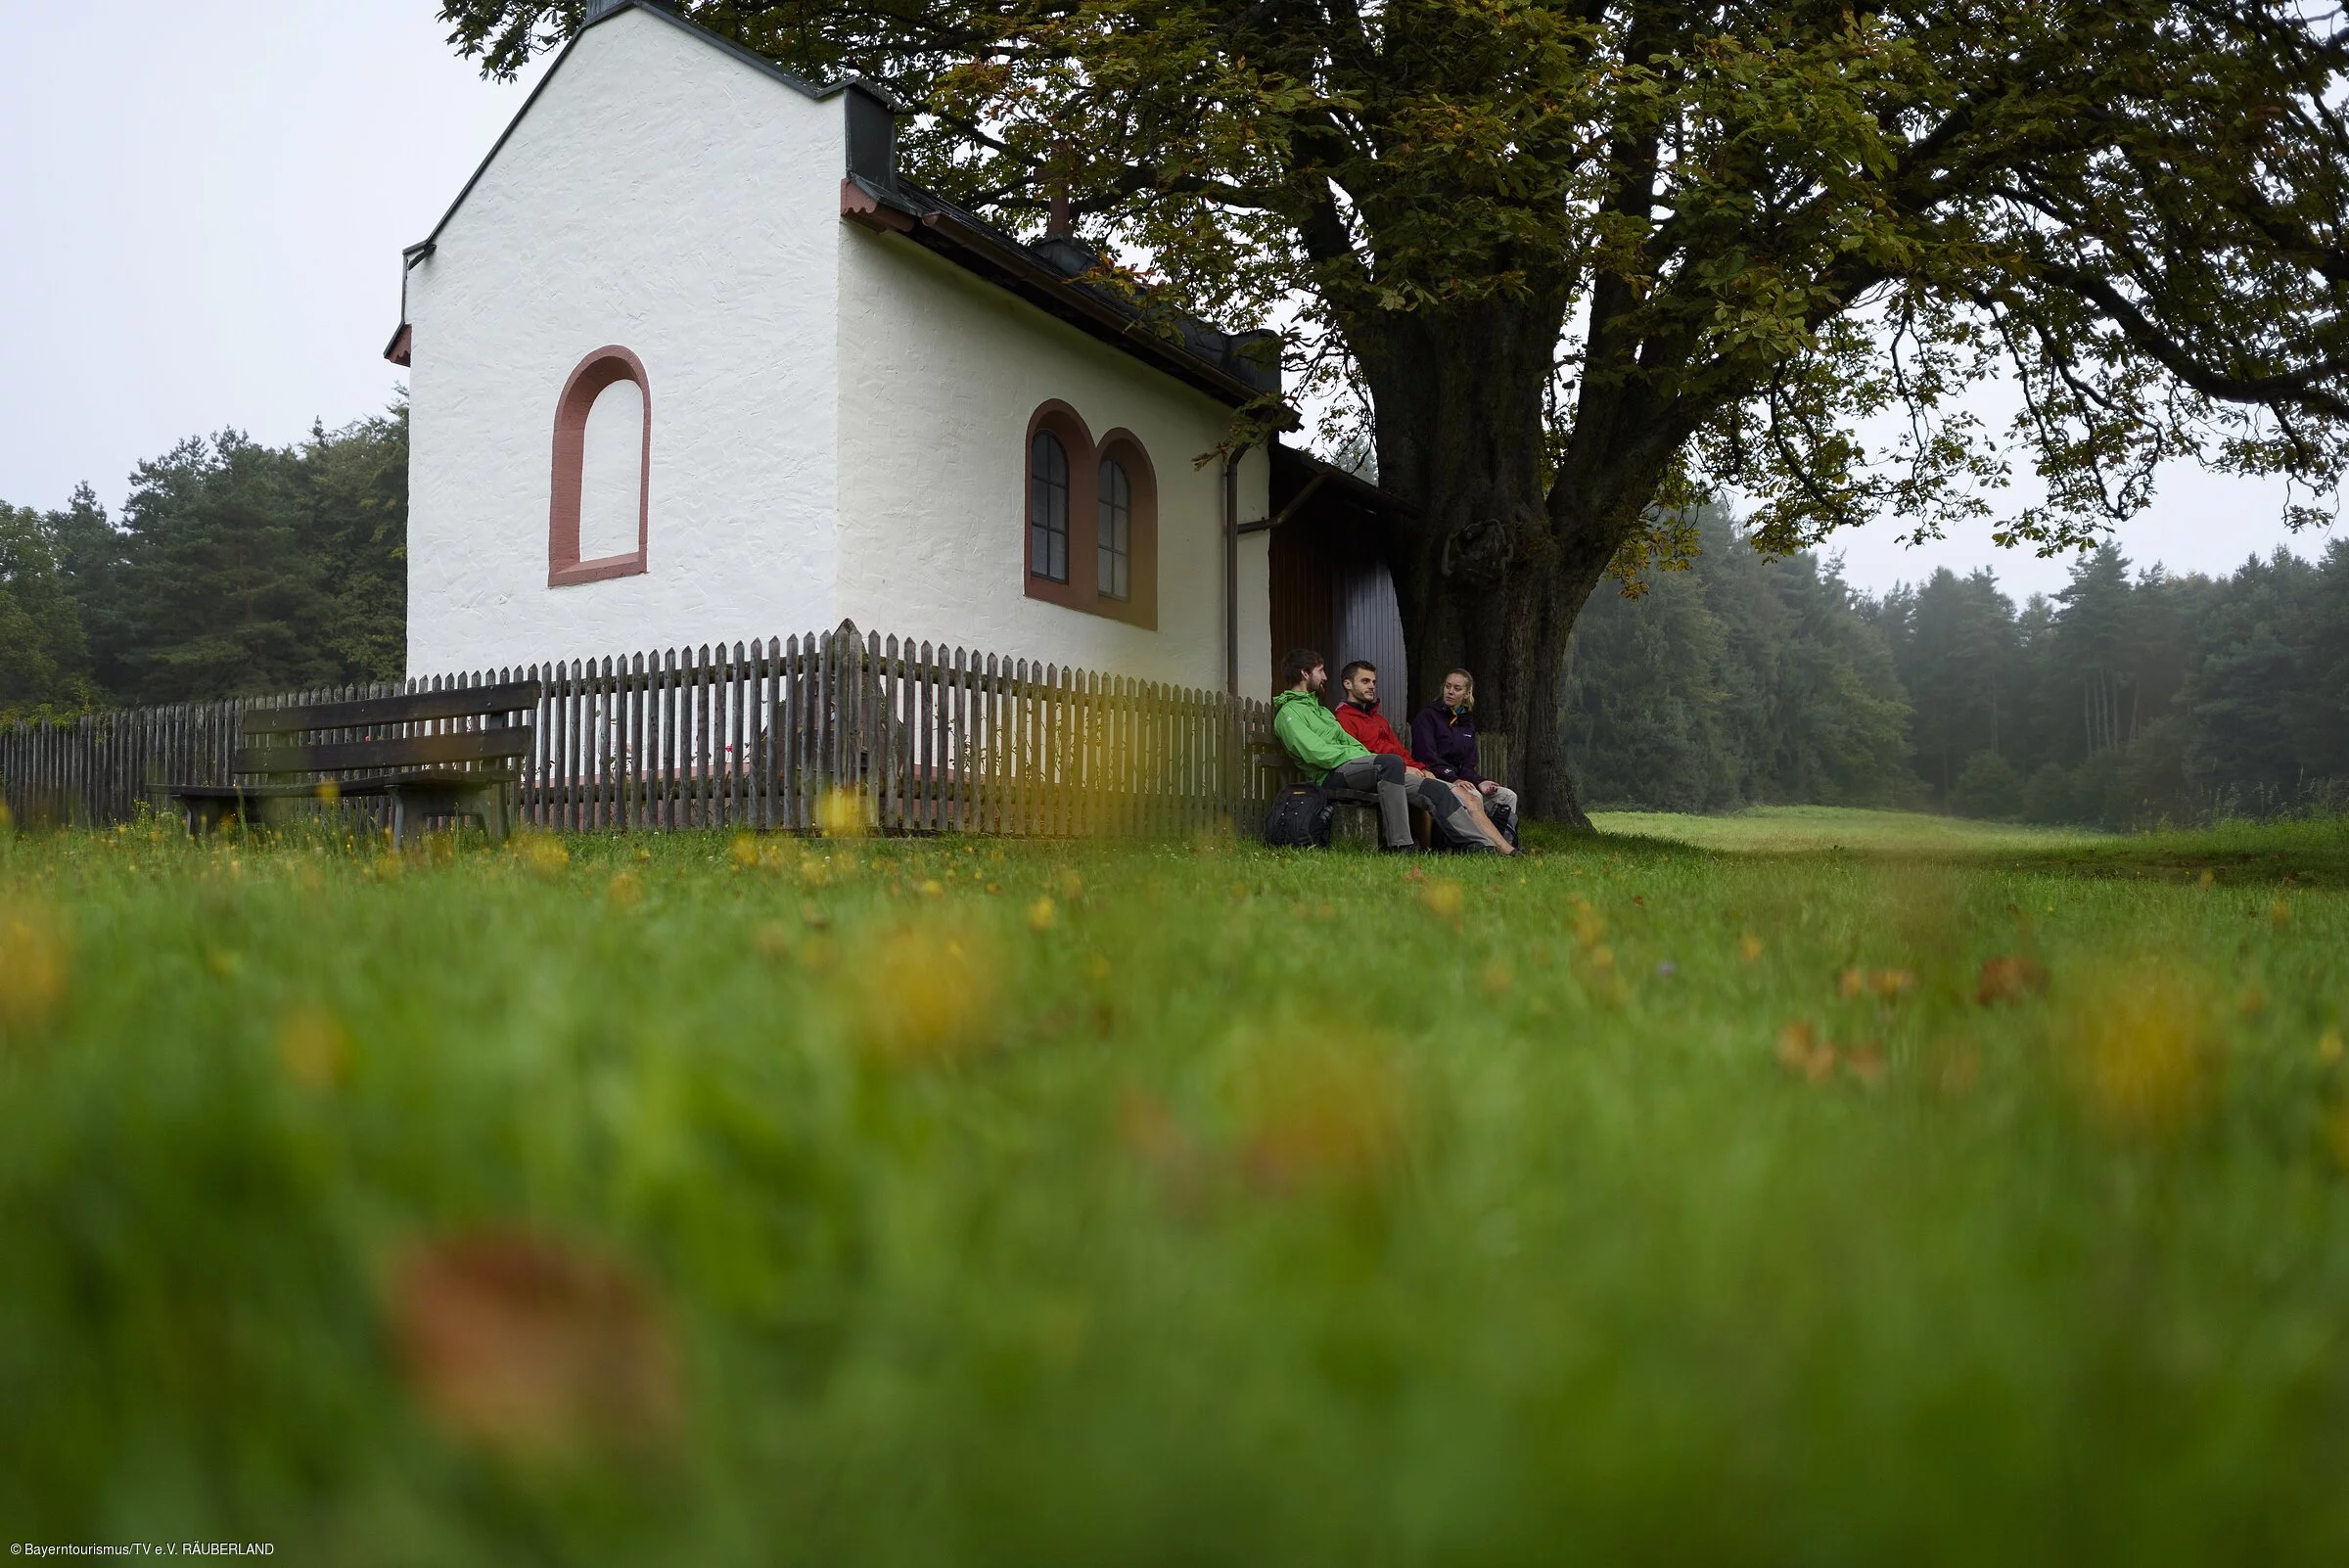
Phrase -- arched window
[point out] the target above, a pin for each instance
(612, 473)
(1091, 519)
(1115, 541)
(1126, 539)
(599, 519)
(1047, 508)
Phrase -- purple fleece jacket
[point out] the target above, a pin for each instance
(1445, 741)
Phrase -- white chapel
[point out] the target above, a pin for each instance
(690, 363)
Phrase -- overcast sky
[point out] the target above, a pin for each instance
(204, 203)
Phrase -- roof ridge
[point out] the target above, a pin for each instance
(653, 8)
(1225, 363)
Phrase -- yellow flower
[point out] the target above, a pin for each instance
(2142, 1061)
(314, 1048)
(1893, 982)
(543, 852)
(841, 815)
(1442, 898)
(625, 892)
(745, 850)
(928, 996)
(1043, 914)
(32, 968)
(1321, 1116)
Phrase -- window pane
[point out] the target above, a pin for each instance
(1117, 532)
(612, 473)
(1048, 508)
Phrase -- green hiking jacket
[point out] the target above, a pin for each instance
(1311, 734)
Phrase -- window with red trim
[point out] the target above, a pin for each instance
(602, 483)
(1091, 519)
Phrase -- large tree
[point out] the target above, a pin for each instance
(1578, 260)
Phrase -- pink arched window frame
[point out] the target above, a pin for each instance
(601, 369)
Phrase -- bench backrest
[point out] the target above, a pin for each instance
(372, 733)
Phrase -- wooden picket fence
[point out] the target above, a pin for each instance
(910, 737)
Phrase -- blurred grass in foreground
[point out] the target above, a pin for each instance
(1779, 829)
(703, 1200)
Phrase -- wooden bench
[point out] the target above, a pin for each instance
(368, 748)
(1491, 760)
(1273, 758)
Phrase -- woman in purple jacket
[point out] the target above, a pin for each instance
(1444, 739)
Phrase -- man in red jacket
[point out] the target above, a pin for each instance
(1359, 716)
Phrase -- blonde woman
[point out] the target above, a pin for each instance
(1444, 740)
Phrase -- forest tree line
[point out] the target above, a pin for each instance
(236, 569)
(2126, 697)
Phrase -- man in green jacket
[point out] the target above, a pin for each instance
(1334, 760)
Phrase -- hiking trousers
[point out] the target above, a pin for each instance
(1384, 772)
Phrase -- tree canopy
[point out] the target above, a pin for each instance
(1573, 261)
(236, 569)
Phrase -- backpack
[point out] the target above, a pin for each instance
(1299, 818)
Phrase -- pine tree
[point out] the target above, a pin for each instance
(43, 657)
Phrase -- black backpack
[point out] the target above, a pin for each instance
(1299, 818)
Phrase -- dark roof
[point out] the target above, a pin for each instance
(1234, 367)
(1294, 471)
(1306, 486)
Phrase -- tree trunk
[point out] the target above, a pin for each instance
(1487, 577)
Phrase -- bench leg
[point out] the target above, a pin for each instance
(205, 817)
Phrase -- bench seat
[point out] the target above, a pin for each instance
(344, 789)
(304, 752)
(442, 792)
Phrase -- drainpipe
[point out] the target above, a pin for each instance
(1231, 572)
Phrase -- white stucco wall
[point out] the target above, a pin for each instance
(1255, 604)
(663, 195)
(939, 374)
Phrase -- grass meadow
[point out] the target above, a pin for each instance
(1778, 1189)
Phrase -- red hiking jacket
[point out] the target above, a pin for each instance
(1369, 726)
